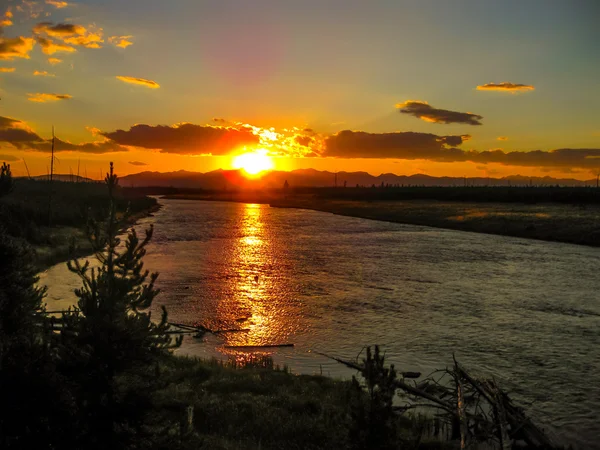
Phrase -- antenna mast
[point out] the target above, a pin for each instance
(52, 157)
(27, 168)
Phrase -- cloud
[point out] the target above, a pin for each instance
(506, 87)
(50, 47)
(410, 145)
(12, 48)
(137, 163)
(54, 61)
(32, 9)
(7, 69)
(120, 41)
(6, 19)
(45, 98)
(18, 134)
(185, 139)
(15, 131)
(502, 138)
(57, 4)
(71, 34)
(140, 81)
(95, 131)
(42, 73)
(9, 158)
(65, 146)
(400, 145)
(428, 113)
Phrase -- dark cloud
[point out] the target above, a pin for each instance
(428, 113)
(15, 131)
(401, 145)
(505, 87)
(137, 163)
(306, 141)
(20, 136)
(187, 138)
(64, 146)
(410, 145)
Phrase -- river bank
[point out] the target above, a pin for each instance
(65, 242)
(573, 224)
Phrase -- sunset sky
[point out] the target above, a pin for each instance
(459, 88)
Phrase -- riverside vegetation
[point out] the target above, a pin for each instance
(102, 375)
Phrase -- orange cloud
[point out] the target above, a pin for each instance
(57, 4)
(45, 98)
(12, 48)
(42, 73)
(502, 138)
(6, 20)
(120, 41)
(71, 34)
(54, 61)
(428, 113)
(505, 87)
(50, 47)
(7, 69)
(140, 81)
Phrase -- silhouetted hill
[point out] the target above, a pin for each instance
(64, 177)
(229, 179)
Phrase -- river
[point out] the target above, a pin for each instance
(525, 312)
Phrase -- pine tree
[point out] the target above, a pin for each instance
(33, 400)
(113, 344)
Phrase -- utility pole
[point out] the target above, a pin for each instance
(78, 165)
(52, 157)
(51, 177)
(27, 168)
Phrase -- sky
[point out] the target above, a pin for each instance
(456, 88)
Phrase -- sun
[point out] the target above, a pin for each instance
(253, 162)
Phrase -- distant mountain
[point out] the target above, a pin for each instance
(64, 177)
(228, 179)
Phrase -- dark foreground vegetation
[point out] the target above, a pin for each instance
(51, 216)
(102, 376)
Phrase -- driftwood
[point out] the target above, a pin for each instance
(201, 330)
(253, 347)
(359, 367)
(479, 412)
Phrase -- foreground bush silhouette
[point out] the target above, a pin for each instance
(34, 401)
(112, 347)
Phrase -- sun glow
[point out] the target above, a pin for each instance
(253, 163)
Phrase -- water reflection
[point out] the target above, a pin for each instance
(258, 286)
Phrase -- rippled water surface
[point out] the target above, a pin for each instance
(523, 311)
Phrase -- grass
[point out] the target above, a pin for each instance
(259, 406)
(255, 406)
(576, 224)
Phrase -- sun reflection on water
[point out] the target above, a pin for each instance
(258, 286)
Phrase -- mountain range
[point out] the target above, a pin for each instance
(230, 179)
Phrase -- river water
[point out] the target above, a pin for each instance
(525, 312)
